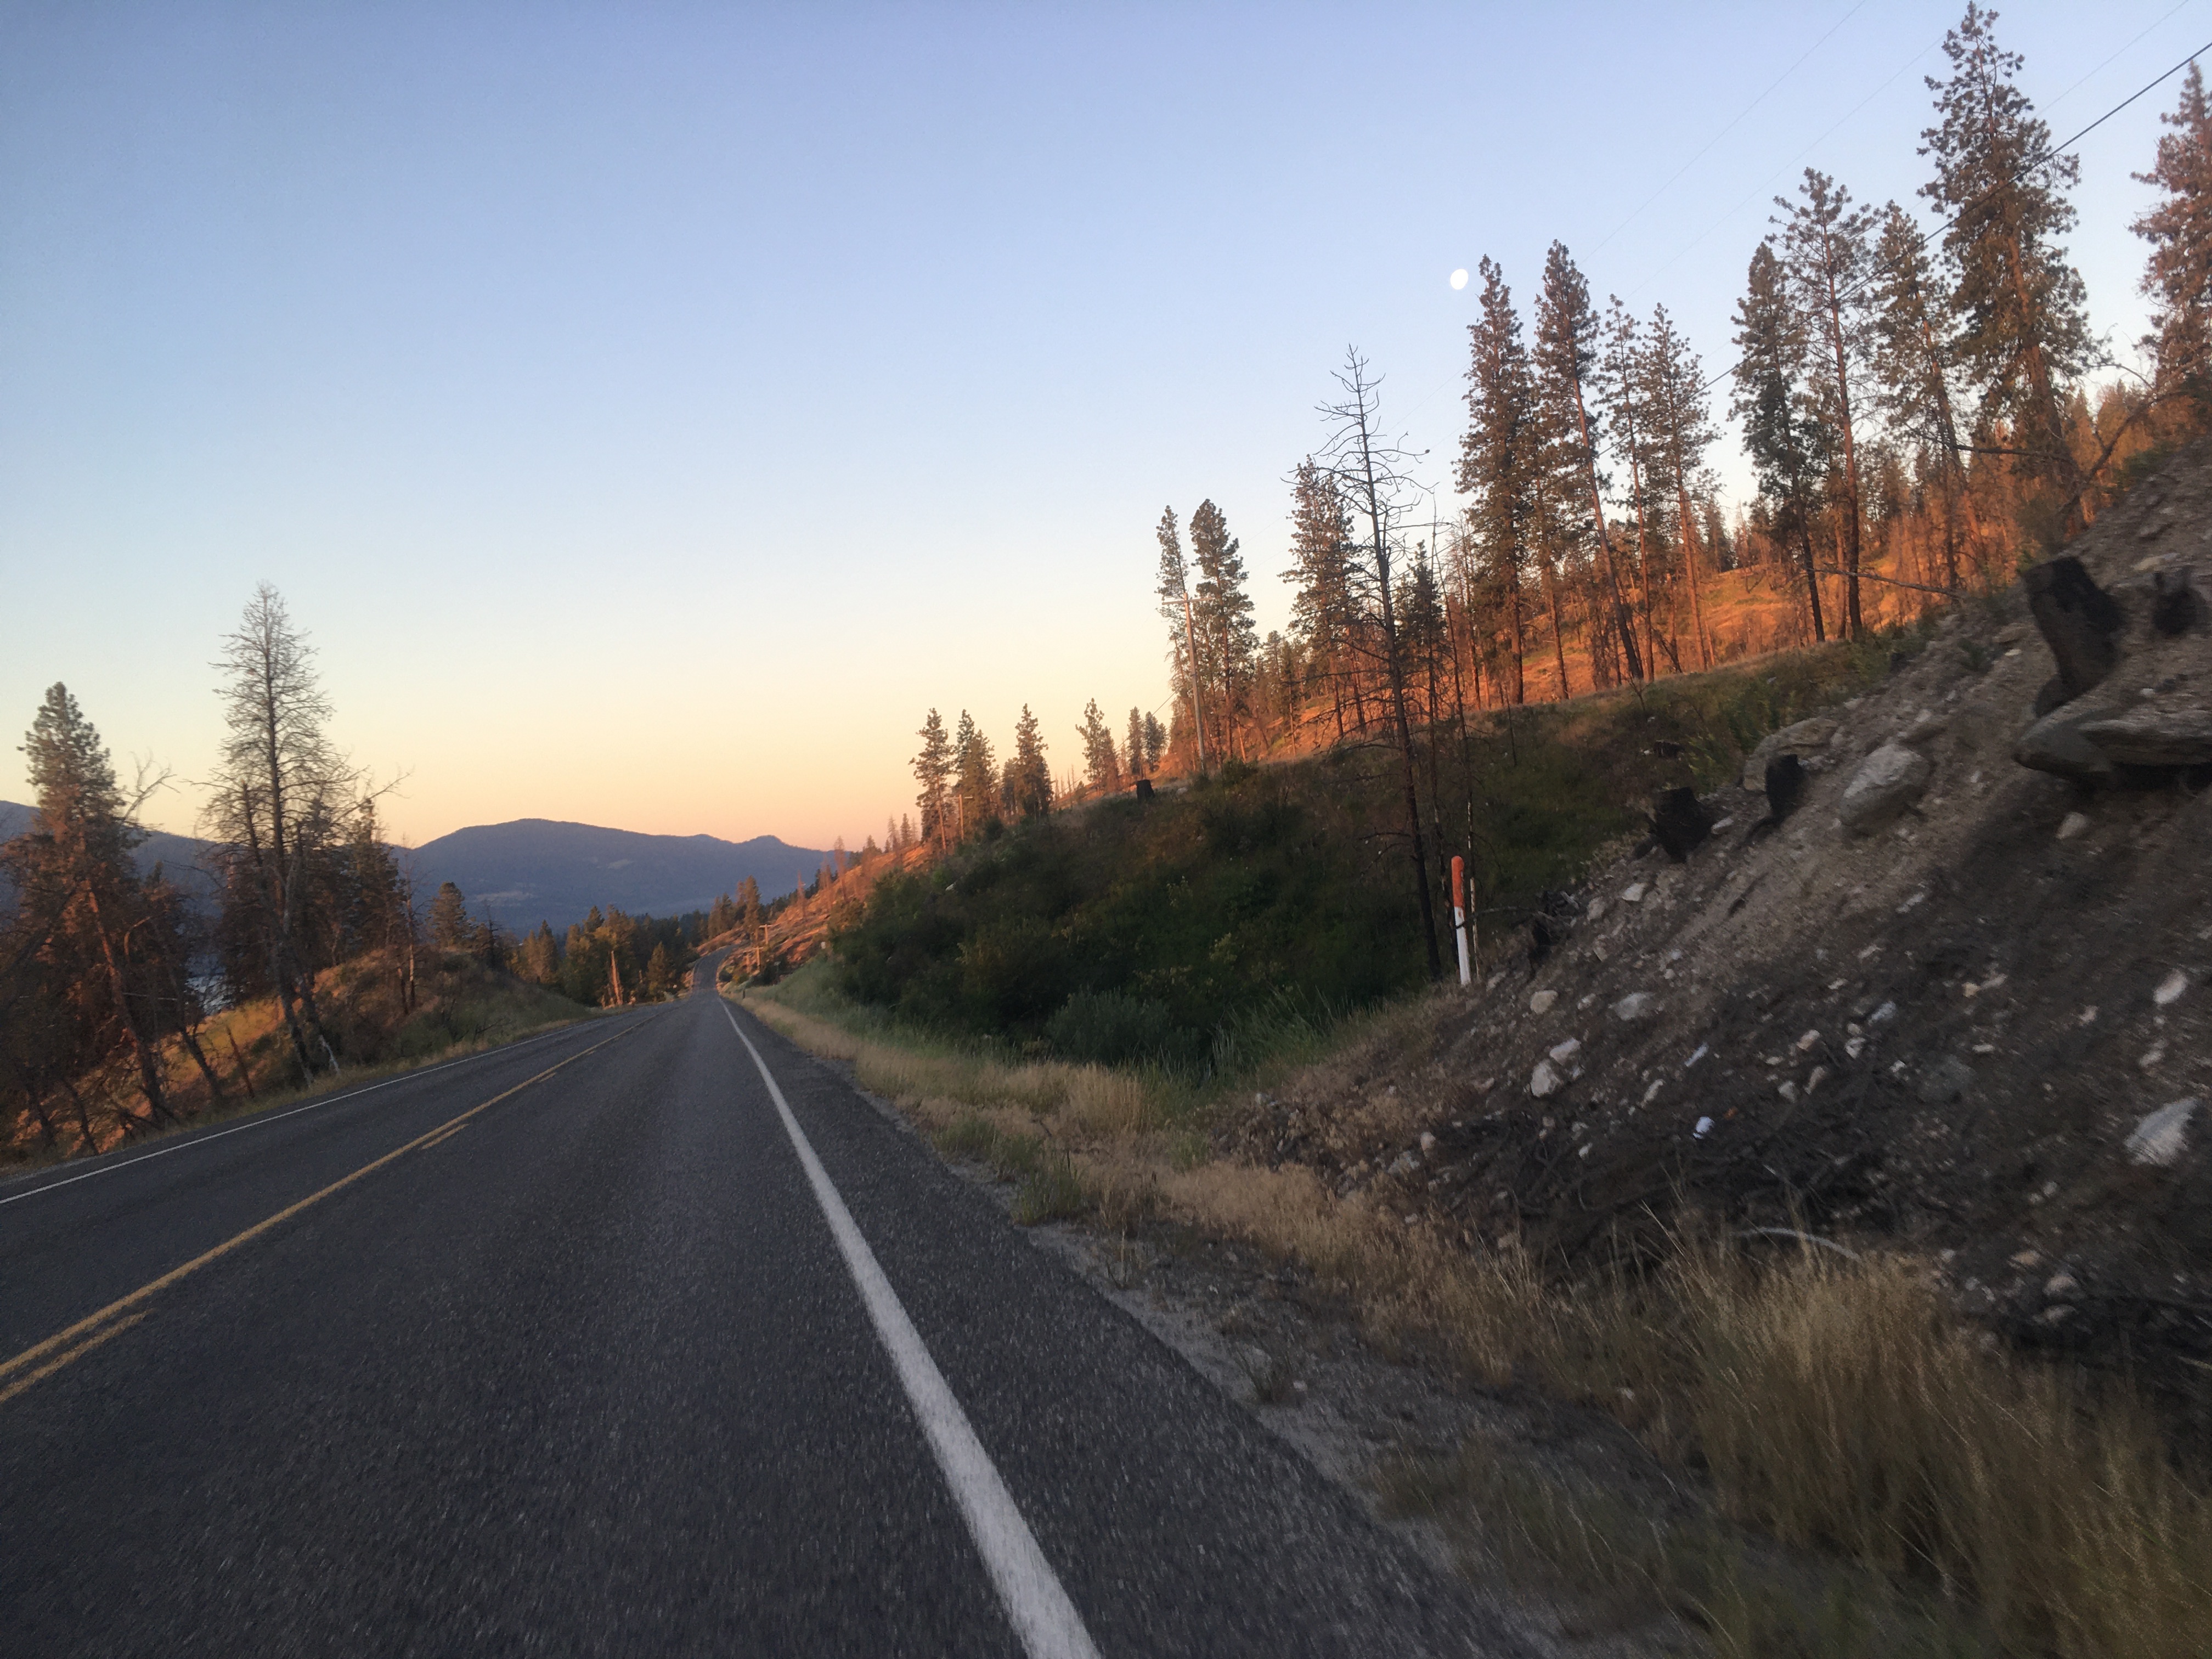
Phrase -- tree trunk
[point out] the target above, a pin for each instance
(1559, 628)
(146, 1054)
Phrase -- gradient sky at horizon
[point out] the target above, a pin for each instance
(650, 410)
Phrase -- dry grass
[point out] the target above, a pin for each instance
(1838, 1407)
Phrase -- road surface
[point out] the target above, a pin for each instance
(593, 1345)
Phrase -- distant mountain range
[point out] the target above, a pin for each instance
(534, 869)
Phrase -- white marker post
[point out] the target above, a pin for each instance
(1459, 915)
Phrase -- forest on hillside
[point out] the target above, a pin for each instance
(1922, 403)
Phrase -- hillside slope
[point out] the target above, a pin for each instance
(1975, 1023)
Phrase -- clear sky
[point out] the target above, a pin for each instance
(651, 410)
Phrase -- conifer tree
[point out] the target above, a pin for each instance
(1827, 262)
(1156, 744)
(1912, 360)
(278, 794)
(1500, 455)
(1177, 606)
(975, 777)
(1566, 345)
(2024, 330)
(933, 766)
(82, 906)
(1102, 767)
(1620, 393)
(2178, 279)
(1324, 613)
(450, 926)
(1226, 637)
(1132, 743)
(1785, 447)
(1682, 431)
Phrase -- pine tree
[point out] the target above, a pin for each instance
(1156, 744)
(976, 781)
(1827, 263)
(2024, 330)
(1177, 606)
(2178, 279)
(1132, 743)
(450, 926)
(1620, 393)
(1682, 430)
(1028, 777)
(1226, 636)
(82, 907)
(1324, 610)
(277, 795)
(1785, 447)
(1102, 767)
(1500, 455)
(933, 766)
(1912, 361)
(1566, 344)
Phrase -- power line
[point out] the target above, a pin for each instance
(1739, 121)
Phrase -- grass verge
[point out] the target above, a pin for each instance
(1962, 1501)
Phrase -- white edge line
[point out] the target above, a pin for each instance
(263, 1119)
(1036, 1603)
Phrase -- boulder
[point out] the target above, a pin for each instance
(1803, 740)
(1887, 782)
(2053, 744)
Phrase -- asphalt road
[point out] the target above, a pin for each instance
(636, 1359)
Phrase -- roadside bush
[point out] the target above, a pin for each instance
(1111, 1028)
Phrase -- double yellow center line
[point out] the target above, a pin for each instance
(63, 1346)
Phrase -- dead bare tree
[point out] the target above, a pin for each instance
(1372, 473)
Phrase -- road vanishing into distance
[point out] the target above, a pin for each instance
(648, 1335)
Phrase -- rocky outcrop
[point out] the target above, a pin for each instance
(2131, 699)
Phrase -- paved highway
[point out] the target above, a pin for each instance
(646, 1336)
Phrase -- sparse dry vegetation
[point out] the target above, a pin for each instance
(1964, 1501)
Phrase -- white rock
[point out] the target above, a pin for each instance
(1428, 1144)
(1703, 1049)
(2163, 1135)
(1854, 1047)
(1544, 1082)
(2060, 1284)
(1564, 1052)
(1637, 1004)
(1819, 1075)
(1705, 1127)
(1541, 1002)
(1596, 910)
(1723, 823)
(1633, 893)
(1805, 1043)
(1405, 1164)
(1887, 782)
(1787, 1090)
(2170, 988)
(1882, 1015)
(2072, 825)
(1652, 1093)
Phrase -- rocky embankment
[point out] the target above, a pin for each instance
(1934, 973)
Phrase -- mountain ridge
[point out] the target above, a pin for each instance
(533, 870)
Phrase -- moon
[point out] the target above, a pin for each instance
(1459, 279)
